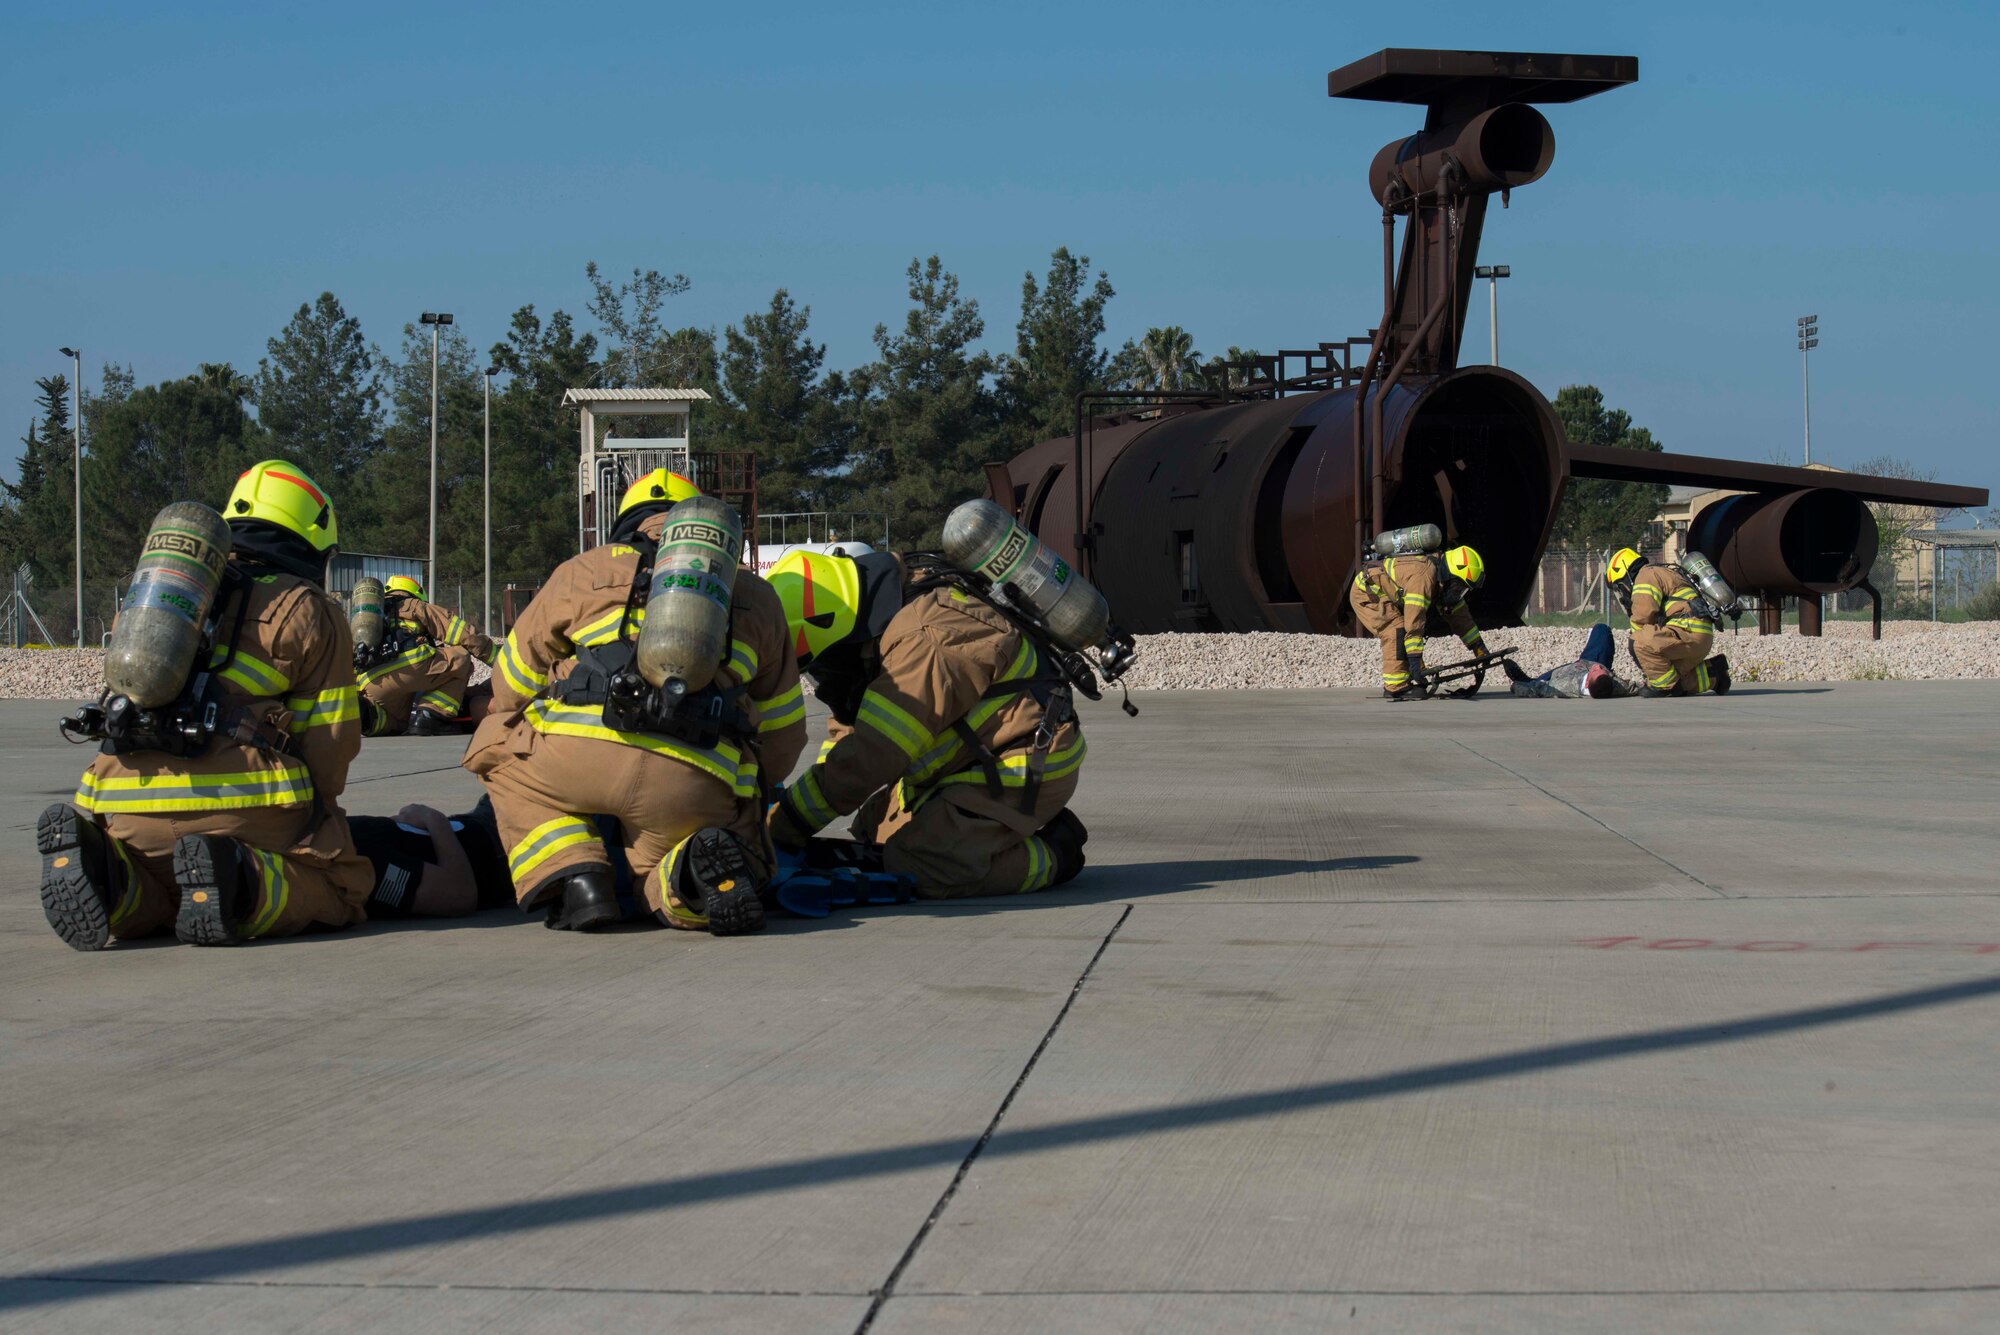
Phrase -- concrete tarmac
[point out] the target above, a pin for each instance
(1518, 1015)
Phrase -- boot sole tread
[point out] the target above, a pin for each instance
(71, 901)
(199, 923)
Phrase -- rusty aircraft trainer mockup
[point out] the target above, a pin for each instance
(1248, 507)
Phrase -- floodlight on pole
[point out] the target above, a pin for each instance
(1808, 340)
(1493, 273)
(486, 619)
(436, 321)
(76, 473)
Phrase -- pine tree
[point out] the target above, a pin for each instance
(1056, 352)
(535, 446)
(925, 419)
(319, 396)
(783, 412)
(39, 524)
(1596, 514)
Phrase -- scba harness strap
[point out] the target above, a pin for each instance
(607, 676)
(185, 727)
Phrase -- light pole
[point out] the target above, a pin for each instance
(76, 472)
(436, 322)
(1808, 328)
(487, 623)
(1493, 273)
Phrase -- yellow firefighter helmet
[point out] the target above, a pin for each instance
(280, 494)
(1623, 562)
(1467, 565)
(656, 486)
(822, 599)
(405, 585)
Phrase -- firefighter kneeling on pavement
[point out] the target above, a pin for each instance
(212, 808)
(1393, 599)
(567, 741)
(1670, 635)
(954, 744)
(416, 681)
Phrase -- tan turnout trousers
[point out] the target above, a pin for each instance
(320, 882)
(954, 852)
(436, 683)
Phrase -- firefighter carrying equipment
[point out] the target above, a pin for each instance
(1671, 635)
(1393, 600)
(983, 540)
(1412, 541)
(964, 747)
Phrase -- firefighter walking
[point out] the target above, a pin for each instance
(1394, 598)
(416, 681)
(561, 745)
(956, 746)
(1671, 636)
(218, 815)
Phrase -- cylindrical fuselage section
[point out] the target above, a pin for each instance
(1809, 542)
(159, 627)
(1500, 149)
(685, 636)
(1243, 516)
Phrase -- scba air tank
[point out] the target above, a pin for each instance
(982, 538)
(686, 632)
(1408, 541)
(366, 618)
(1709, 581)
(159, 627)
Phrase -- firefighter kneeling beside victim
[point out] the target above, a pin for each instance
(415, 680)
(1394, 598)
(954, 741)
(1673, 624)
(227, 726)
(681, 703)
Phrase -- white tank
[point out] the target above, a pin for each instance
(158, 630)
(685, 637)
(1705, 577)
(982, 538)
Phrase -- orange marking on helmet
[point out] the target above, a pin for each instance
(299, 482)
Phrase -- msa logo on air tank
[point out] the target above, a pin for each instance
(694, 530)
(1010, 551)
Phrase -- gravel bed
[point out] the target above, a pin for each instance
(77, 674)
(1908, 651)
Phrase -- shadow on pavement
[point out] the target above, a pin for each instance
(237, 1260)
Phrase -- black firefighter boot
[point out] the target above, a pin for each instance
(427, 723)
(718, 881)
(1065, 835)
(218, 893)
(1718, 674)
(584, 901)
(80, 883)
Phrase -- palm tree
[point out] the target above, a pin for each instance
(1169, 359)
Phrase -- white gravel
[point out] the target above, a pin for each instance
(1908, 650)
(77, 674)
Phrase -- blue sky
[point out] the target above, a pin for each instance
(176, 179)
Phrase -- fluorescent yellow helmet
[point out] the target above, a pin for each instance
(658, 485)
(822, 599)
(1467, 564)
(280, 494)
(404, 584)
(1623, 562)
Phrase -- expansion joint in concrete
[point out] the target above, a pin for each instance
(1611, 829)
(888, 1289)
